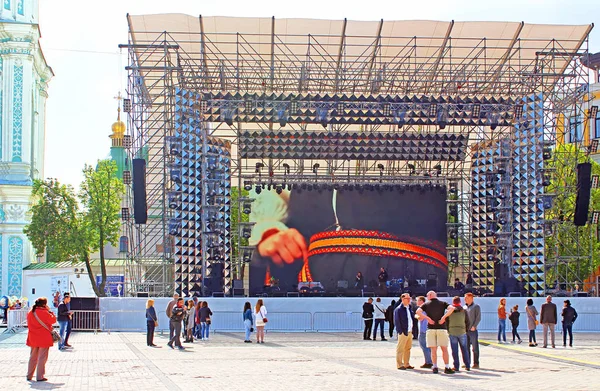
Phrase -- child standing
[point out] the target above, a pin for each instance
(514, 320)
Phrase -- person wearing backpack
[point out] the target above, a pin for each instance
(379, 319)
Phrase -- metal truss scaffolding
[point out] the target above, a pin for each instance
(344, 104)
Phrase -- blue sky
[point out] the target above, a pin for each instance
(80, 39)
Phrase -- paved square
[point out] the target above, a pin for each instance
(290, 361)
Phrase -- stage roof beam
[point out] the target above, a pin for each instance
(340, 56)
(438, 60)
(375, 50)
(506, 57)
(203, 51)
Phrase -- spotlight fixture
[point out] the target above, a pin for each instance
(442, 118)
(247, 207)
(125, 213)
(278, 188)
(258, 189)
(547, 153)
(286, 168)
(454, 257)
(282, 117)
(228, 116)
(476, 111)
(400, 118)
(322, 117)
(595, 181)
(594, 145)
(127, 105)
(595, 217)
(518, 112)
(316, 168)
(593, 112)
(381, 168)
(247, 185)
(493, 120)
(453, 188)
(412, 169)
(438, 169)
(433, 110)
(248, 105)
(259, 166)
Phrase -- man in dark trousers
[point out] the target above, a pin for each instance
(548, 319)
(404, 318)
(64, 318)
(474, 315)
(367, 315)
(177, 314)
(569, 315)
(169, 312)
(389, 316)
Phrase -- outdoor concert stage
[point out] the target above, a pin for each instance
(295, 151)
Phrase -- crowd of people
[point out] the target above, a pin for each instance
(191, 319)
(437, 324)
(434, 323)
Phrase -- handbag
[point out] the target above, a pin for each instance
(535, 320)
(208, 321)
(55, 335)
(156, 323)
(251, 329)
(264, 318)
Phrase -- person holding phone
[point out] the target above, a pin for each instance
(39, 338)
(64, 318)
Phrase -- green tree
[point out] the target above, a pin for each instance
(101, 194)
(236, 194)
(568, 241)
(70, 233)
(54, 218)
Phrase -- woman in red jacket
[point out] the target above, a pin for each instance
(39, 337)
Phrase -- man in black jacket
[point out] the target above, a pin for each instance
(64, 319)
(548, 319)
(367, 315)
(569, 315)
(177, 314)
(404, 319)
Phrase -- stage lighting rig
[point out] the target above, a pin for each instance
(593, 112)
(322, 115)
(400, 118)
(453, 188)
(438, 169)
(258, 189)
(547, 153)
(476, 111)
(259, 166)
(315, 168)
(595, 181)
(518, 112)
(247, 185)
(247, 207)
(493, 120)
(282, 117)
(278, 188)
(442, 118)
(594, 145)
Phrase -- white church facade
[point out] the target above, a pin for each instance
(24, 77)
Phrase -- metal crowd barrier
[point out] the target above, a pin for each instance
(86, 320)
(226, 321)
(17, 319)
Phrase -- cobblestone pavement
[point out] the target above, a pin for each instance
(291, 361)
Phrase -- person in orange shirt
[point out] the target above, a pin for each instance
(502, 321)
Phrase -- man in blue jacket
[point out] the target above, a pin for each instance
(404, 318)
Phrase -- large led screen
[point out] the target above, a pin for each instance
(327, 236)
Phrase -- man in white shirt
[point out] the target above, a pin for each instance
(379, 319)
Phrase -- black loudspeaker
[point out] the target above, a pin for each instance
(500, 271)
(584, 185)
(140, 209)
(85, 304)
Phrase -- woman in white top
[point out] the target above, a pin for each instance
(260, 313)
(191, 322)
